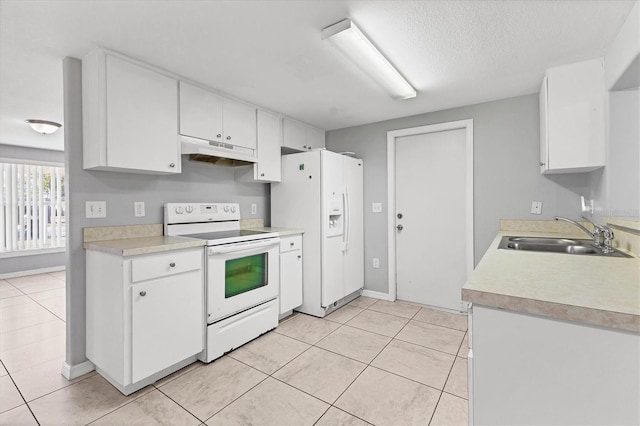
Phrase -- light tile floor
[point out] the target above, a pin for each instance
(370, 362)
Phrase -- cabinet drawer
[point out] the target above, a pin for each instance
(165, 264)
(290, 243)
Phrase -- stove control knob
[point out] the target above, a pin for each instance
(233, 209)
(226, 209)
(189, 209)
(179, 210)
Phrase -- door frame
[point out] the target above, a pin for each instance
(467, 125)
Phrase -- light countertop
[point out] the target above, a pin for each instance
(143, 245)
(283, 232)
(596, 290)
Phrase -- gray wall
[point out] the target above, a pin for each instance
(506, 173)
(198, 182)
(616, 188)
(20, 154)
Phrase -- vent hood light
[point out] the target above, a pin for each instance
(349, 40)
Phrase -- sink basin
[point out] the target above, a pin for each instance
(555, 245)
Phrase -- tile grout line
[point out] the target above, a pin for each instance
(20, 393)
(178, 404)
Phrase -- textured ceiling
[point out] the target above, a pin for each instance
(270, 52)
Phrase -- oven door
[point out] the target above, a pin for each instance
(241, 276)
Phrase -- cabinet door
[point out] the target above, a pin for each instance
(200, 113)
(294, 135)
(142, 118)
(290, 280)
(239, 123)
(269, 140)
(315, 138)
(544, 136)
(167, 322)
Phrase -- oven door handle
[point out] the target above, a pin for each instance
(247, 245)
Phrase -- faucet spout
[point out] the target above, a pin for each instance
(585, 230)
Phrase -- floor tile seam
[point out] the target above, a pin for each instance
(230, 402)
(395, 315)
(32, 364)
(351, 414)
(49, 310)
(428, 347)
(24, 401)
(28, 316)
(457, 396)
(410, 379)
(56, 390)
(461, 343)
(31, 325)
(379, 334)
(439, 325)
(347, 356)
(120, 406)
(159, 390)
(275, 330)
(39, 341)
(307, 393)
(325, 412)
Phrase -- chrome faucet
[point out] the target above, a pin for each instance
(602, 235)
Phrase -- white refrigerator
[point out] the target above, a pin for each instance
(322, 193)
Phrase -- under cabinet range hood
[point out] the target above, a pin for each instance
(217, 152)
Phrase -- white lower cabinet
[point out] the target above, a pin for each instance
(290, 273)
(532, 370)
(145, 315)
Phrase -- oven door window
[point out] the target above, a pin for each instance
(245, 274)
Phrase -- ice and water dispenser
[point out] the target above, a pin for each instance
(336, 217)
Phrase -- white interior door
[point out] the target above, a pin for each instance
(432, 253)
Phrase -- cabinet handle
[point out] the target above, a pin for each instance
(299, 256)
(218, 135)
(143, 293)
(542, 164)
(261, 174)
(291, 244)
(304, 146)
(172, 165)
(228, 138)
(172, 264)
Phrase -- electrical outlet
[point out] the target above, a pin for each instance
(376, 262)
(536, 207)
(138, 208)
(254, 208)
(376, 207)
(95, 209)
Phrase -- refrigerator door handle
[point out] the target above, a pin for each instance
(347, 219)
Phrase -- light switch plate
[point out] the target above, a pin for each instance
(95, 209)
(376, 262)
(138, 208)
(376, 207)
(536, 207)
(254, 208)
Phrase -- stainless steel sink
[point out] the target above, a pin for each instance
(555, 245)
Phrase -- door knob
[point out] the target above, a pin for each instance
(399, 215)
(172, 264)
(399, 227)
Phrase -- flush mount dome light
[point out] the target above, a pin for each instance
(43, 126)
(349, 40)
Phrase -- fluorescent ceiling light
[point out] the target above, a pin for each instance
(348, 38)
(43, 126)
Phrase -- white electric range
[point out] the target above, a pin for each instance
(241, 269)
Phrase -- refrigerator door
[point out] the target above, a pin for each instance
(333, 201)
(354, 254)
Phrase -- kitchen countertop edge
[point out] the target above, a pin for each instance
(136, 246)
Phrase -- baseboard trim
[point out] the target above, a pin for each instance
(71, 372)
(31, 272)
(377, 295)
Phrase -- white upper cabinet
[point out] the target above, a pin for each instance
(200, 113)
(572, 118)
(129, 116)
(300, 137)
(267, 168)
(209, 116)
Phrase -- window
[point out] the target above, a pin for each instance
(32, 210)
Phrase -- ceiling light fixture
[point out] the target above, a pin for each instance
(43, 126)
(348, 38)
